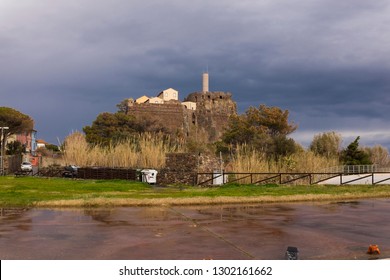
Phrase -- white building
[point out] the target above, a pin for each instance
(41, 143)
(155, 100)
(189, 105)
(169, 94)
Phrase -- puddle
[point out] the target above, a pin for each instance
(341, 230)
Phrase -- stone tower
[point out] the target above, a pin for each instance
(205, 82)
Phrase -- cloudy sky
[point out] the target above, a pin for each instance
(326, 61)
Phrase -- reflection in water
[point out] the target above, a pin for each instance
(6, 212)
(335, 230)
(102, 215)
(14, 218)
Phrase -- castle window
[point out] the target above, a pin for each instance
(209, 96)
(220, 97)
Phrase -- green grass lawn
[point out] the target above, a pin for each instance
(32, 191)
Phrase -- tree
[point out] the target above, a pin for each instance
(123, 106)
(15, 148)
(264, 128)
(52, 147)
(378, 155)
(109, 127)
(49, 150)
(239, 131)
(283, 146)
(271, 119)
(16, 121)
(353, 155)
(326, 144)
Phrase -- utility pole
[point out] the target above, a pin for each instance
(2, 149)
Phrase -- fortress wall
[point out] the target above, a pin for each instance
(174, 117)
(213, 110)
(215, 102)
(183, 167)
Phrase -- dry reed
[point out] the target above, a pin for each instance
(141, 151)
(248, 160)
(149, 150)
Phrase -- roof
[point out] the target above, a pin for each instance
(142, 99)
(41, 141)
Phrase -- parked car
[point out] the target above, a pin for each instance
(26, 166)
(70, 171)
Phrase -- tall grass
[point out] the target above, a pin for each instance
(149, 150)
(247, 160)
(141, 151)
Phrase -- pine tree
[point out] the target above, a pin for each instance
(353, 155)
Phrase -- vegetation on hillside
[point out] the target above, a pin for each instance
(265, 129)
(109, 128)
(255, 141)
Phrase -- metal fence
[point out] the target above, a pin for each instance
(356, 169)
(341, 175)
(291, 178)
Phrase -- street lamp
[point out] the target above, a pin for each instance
(2, 148)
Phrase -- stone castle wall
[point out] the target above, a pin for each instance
(182, 168)
(213, 110)
(173, 117)
(218, 102)
(210, 117)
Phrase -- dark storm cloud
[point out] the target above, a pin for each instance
(327, 62)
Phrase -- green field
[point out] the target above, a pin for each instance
(57, 192)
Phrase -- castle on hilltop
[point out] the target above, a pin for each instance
(202, 116)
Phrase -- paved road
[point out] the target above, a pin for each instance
(320, 231)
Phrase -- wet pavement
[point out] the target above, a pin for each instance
(331, 230)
